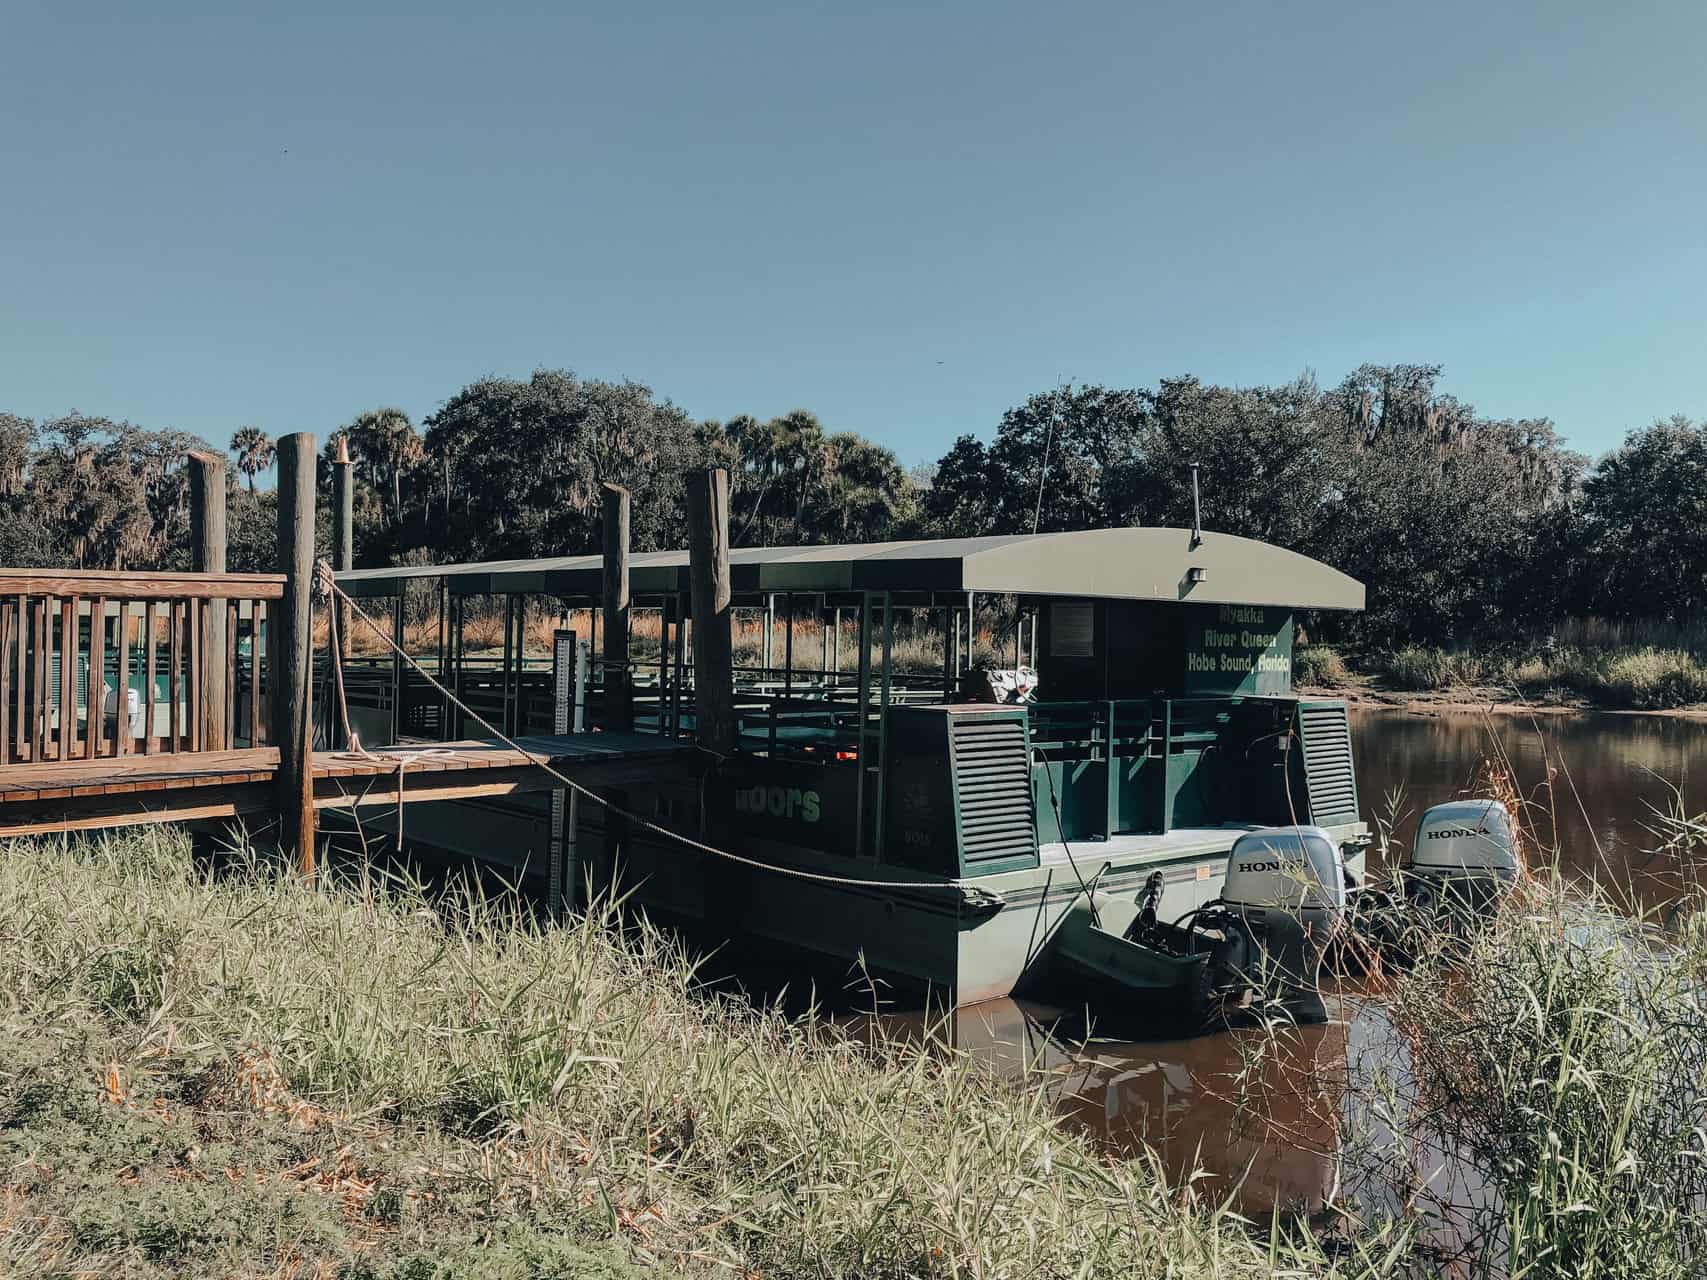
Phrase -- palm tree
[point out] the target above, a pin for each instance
(255, 451)
(385, 443)
(801, 448)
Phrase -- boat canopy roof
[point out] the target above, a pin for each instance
(1109, 564)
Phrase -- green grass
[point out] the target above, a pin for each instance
(241, 1076)
(1568, 1076)
(244, 1076)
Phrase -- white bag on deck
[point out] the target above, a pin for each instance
(1003, 685)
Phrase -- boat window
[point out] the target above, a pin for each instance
(1072, 629)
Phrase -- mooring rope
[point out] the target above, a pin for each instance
(963, 887)
(354, 751)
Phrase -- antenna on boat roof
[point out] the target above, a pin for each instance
(1196, 511)
(1048, 436)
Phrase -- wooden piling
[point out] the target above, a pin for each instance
(293, 722)
(207, 555)
(343, 532)
(619, 690)
(708, 568)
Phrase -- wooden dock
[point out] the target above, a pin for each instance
(38, 799)
(145, 697)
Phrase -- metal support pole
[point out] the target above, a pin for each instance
(788, 647)
(950, 654)
(343, 532)
(862, 758)
(457, 644)
(971, 629)
(561, 873)
(397, 665)
(824, 658)
(679, 677)
(883, 720)
(442, 670)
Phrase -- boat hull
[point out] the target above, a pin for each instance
(931, 933)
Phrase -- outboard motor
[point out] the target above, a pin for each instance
(1465, 857)
(1283, 901)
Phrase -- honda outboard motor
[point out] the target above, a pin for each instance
(1465, 856)
(1283, 900)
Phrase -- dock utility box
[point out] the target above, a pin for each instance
(958, 793)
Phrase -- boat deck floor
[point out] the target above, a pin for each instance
(1181, 842)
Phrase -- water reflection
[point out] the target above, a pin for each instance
(1294, 1120)
(1252, 1114)
(1591, 783)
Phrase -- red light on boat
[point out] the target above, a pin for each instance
(845, 754)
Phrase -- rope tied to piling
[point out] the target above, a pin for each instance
(325, 591)
(973, 895)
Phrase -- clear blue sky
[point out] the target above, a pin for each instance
(903, 217)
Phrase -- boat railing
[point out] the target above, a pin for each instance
(1149, 765)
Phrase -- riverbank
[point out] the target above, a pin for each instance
(243, 1076)
(1482, 701)
(1641, 679)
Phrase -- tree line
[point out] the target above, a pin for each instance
(1466, 528)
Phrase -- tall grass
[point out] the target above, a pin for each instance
(244, 1076)
(1642, 679)
(1561, 1064)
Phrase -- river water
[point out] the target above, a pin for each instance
(1268, 1118)
(1591, 783)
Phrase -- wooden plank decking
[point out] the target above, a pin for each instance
(73, 795)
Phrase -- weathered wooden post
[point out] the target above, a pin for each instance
(619, 691)
(207, 555)
(293, 721)
(708, 568)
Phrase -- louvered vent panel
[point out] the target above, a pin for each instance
(993, 779)
(1328, 772)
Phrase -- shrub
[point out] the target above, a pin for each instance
(1656, 679)
(1319, 666)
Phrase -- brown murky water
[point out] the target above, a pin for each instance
(1271, 1117)
(1591, 783)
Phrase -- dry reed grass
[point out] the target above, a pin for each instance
(239, 1075)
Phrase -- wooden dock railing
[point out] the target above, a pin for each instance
(96, 663)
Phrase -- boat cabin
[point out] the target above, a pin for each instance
(1156, 665)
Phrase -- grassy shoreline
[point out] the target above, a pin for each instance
(243, 1076)
(1643, 678)
(246, 1077)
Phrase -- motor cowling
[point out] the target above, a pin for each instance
(1285, 892)
(1465, 850)
(1297, 870)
